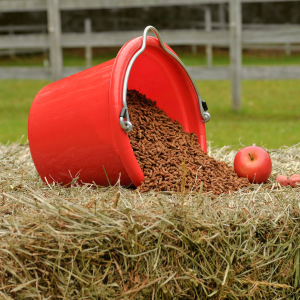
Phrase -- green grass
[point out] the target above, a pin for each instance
(270, 115)
(16, 99)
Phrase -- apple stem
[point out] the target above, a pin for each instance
(251, 157)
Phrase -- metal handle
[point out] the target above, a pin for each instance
(127, 125)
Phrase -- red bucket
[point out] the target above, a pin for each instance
(75, 126)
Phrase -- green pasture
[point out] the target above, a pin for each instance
(15, 101)
(270, 115)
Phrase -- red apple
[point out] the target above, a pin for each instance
(253, 162)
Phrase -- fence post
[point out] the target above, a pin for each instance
(287, 49)
(236, 52)
(88, 48)
(54, 29)
(208, 28)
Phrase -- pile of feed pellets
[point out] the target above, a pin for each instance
(171, 158)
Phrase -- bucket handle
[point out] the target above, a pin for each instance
(127, 125)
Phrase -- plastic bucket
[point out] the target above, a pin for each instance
(74, 123)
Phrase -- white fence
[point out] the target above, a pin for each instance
(40, 5)
(232, 35)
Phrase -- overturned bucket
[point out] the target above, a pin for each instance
(78, 125)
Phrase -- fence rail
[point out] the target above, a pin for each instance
(234, 35)
(171, 37)
(198, 73)
(38, 5)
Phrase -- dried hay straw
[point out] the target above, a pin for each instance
(92, 242)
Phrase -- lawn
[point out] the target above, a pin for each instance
(270, 115)
(16, 98)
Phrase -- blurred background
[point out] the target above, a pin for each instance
(243, 54)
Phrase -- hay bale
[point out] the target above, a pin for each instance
(93, 242)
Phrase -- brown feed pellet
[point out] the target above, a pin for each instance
(171, 158)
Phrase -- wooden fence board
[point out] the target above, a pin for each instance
(25, 73)
(94, 4)
(171, 37)
(34, 72)
(22, 5)
(247, 73)
(108, 39)
(278, 36)
(33, 5)
(214, 73)
(39, 5)
(270, 47)
(271, 73)
(24, 41)
(198, 73)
